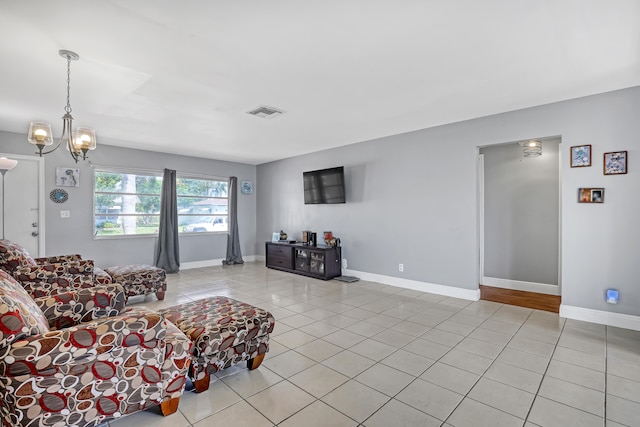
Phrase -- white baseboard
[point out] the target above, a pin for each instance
(619, 320)
(211, 262)
(518, 285)
(450, 291)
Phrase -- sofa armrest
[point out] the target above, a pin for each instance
(84, 305)
(60, 269)
(52, 352)
(49, 279)
(58, 258)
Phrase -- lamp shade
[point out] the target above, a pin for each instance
(85, 139)
(7, 164)
(40, 133)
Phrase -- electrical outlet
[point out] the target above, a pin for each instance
(400, 267)
(65, 214)
(344, 263)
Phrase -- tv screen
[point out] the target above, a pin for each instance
(324, 186)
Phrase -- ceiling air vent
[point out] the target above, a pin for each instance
(266, 112)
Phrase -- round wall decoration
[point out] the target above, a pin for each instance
(58, 195)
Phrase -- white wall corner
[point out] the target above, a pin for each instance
(449, 291)
(618, 320)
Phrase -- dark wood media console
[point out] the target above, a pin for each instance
(321, 262)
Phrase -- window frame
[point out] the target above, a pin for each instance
(158, 174)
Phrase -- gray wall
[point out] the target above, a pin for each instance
(412, 199)
(521, 213)
(75, 235)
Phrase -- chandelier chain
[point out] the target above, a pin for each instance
(68, 107)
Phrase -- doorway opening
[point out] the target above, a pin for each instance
(519, 224)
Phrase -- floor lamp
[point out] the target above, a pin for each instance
(5, 166)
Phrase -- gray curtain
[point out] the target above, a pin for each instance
(234, 255)
(168, 250)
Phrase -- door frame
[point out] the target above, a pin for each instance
(41, 196)
(541, 288)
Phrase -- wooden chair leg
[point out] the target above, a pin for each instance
(255, 362)
(202, 384)
(160, 295)
(170, 406)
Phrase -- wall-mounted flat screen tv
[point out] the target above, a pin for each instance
(324, 186)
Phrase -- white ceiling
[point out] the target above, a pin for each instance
(179, 76)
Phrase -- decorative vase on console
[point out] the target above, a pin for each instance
(283, 235)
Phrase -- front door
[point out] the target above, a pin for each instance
(22, 196)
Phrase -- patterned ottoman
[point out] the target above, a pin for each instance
(139, 279)
(224, 332)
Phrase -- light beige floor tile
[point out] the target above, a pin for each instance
(623, 369)
(408, 362)
(538, 335)
(344, 338)
(365, 329)
(481, 348)
(545, 412)
(576, 374)
(455, 327)
(623, 411)
(197, 406)
(426, 348)
(318, 414)
(359, 314)
(574, 395)
(356, 400)
(503, 328)
(382, 320)
(288, 364)
(297, 321)
(151, 418)
(239, 415)
(522, 359)
(533, 347)
(623, 387)
(451, 378)
(394, 338)
(466, 361)
(576, 357)
(471, 413)
(294, 338)
(319, 329)
(318, 380)
(318, 350)
(410, 328)
(493, 337)
(430, 398)
(349, 363)
(373, 349)
(385, 379)
(516, 377)
(280, 401)
(442, 337)
(247, 383)
(398, 414)
(503, 397)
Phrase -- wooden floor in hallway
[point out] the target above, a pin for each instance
(521, 298)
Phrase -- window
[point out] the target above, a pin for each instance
(129, 203)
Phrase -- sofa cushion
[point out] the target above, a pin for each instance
(13, 255)
(20, 316)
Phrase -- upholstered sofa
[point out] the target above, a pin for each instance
(51, 275)
(80, 358)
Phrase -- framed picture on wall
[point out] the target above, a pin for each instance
(615, 163)
(580, 156)
(590, 195)
(67, 177)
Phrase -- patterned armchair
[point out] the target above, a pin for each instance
(78, 358)
(50, 275)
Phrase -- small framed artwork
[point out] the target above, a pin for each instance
(580, 156)
(615, 163)
(246, 187)
(590, 195)
(67, 177)
(275, 236)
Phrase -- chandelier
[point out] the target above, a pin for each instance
(79, 142)
(531, 148)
